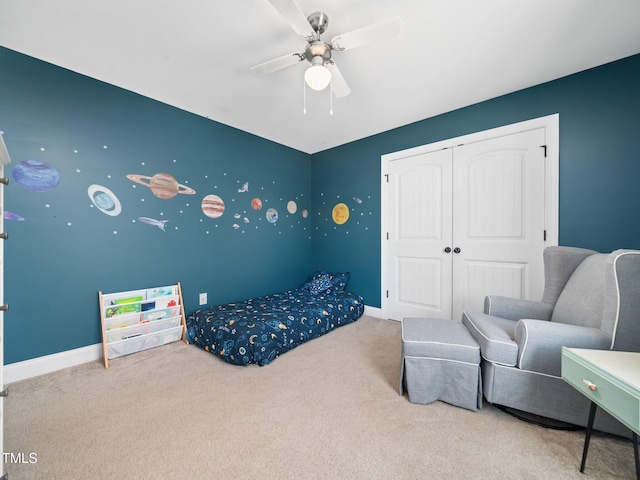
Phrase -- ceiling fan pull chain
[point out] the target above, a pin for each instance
(304, 97)
(331, 98)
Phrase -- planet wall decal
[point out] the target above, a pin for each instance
(12, 216)
(256, 204)
(272, 215)
(35, 175)
(104, 200)
(340, 213)
(292, 207)
(162, 185)
(212, 206)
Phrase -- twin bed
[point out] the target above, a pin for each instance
(260, 329)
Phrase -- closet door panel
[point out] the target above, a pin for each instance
(419, 231)
(498, 212)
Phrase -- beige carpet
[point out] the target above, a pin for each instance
(328, 409)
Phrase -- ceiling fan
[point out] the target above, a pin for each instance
(322, 70)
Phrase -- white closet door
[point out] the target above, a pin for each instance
(487, 197)
(419, 231)
(498, 211)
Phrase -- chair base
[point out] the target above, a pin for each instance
(544, 395)
(538, 420)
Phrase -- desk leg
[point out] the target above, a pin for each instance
(587, 437)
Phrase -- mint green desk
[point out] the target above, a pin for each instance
(611, 380)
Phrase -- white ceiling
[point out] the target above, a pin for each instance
(196, 54)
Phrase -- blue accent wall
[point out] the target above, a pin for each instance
(67, 132)
(599, 167)
(69, 244)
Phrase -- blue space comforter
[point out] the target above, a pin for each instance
(260, 329)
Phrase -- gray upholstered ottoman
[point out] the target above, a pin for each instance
(440, 361)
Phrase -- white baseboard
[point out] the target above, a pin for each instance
(373, 311)
(15, 372)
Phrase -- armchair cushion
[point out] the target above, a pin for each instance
(515, 308)
(582, 298)
(540, 343)
(559, 265)
(494, 335)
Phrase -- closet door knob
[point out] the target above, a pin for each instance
(456, 250)
(447, 250)
(4, 236)
(4, 180)
(4, 307)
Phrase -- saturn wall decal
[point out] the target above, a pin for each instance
(162, 185)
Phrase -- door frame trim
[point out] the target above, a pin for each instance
(551, 125)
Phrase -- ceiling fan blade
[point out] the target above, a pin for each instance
(279, 63)
(376, 32)
(338, 83)
(291, 12)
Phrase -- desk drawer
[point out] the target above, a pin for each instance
(610, 396)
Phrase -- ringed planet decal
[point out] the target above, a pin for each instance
(340, 213)
(104, 200)
(162, 185)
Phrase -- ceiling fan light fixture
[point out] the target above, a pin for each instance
(317, 76)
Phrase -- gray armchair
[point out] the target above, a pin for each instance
(590, 300)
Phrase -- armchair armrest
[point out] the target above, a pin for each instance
(515, 308)
(540, 343)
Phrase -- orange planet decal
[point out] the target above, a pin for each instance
(340, 213)
(162, 185)
(212, 206)
(256, 204)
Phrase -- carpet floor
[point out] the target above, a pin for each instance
(328, 409)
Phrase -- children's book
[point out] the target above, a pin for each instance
(122, 309)
(162, 291)
(159, 313)
(164, 302)
(120, 301)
